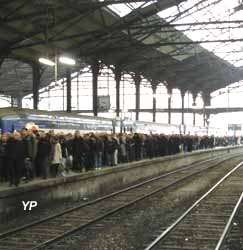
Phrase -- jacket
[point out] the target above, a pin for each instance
(30, 143)
(44, 148)
(56, 154)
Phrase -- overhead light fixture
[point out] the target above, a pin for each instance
(67, 60)
(46, 61)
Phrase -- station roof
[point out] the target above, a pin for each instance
(140, 41)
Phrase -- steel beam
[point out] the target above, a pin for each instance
(194, 118)
(36, 72)
(69, 90)
(194, 97)
(16, 101)
(182, 106)
(118, 73)
(95, 72)
(169, 91)
(137, 80)
(154, 87)
(19, 101)
(178, 110)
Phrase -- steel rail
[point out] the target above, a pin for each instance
(77, 228)
(15, 230)
(188, 211)
(229, 224)
(61, 236)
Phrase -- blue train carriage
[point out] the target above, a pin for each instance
(155, 128)
(14, 119)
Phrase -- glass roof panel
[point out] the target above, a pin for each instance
(217, 23)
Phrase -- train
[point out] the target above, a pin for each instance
(12, 119)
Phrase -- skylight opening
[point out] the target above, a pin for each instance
(217, 18)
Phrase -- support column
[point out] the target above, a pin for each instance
(118, 74)
(16, 101)
(182, 106)
(12, 102)
(19, 102)
(95, 72)
(137, 80)
(36, 84)
(207, 119)
(69, 87)
(194, 118)
(194, 96)
(204, 116)
(169, 92)
(206, 102)
(154, 87)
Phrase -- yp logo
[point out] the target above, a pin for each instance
(29, 205)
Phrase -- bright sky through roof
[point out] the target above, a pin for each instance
(207, 11)
(124, 9)
(213, 11)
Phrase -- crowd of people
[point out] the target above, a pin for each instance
(27, 154)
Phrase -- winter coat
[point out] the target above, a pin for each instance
(15, 149)
(2, 149)
(44, 148)
(64, 149)
(79, 146)
(56, 153)
(99, 145)
(30, 144)
(123, 151)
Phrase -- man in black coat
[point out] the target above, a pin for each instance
(76, 151)
(137, 146)
(3, 170)
(80, 150)
(43, 154)
(15, 155)
(98, 151)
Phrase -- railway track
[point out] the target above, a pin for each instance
(231, 238)
(204, 225)
(49, 230)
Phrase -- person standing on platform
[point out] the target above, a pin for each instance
(90, 140)
(137, 145)
(15, 155)
(3, 164)
(43, 154)
(123, 151)
(130, 148)
(109, 150)
(76, 151)
(30, 144)
(116, 145)
(56, 156)
(68, 142)
(98, 151)
(62, 141)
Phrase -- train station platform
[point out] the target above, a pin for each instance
(77, 186)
